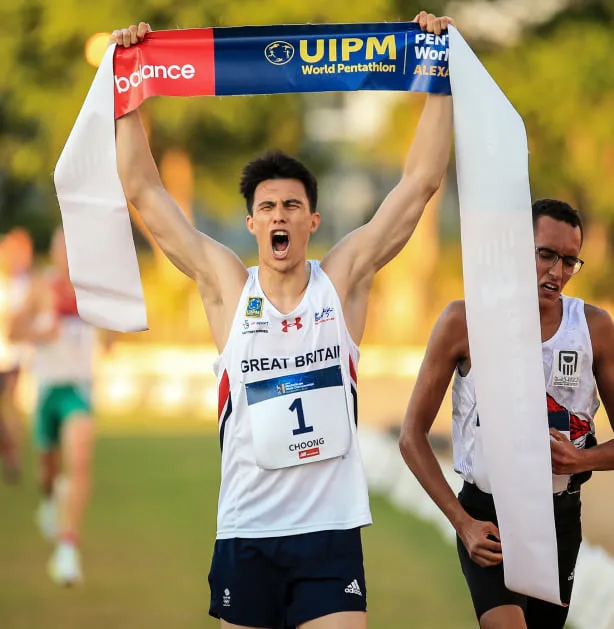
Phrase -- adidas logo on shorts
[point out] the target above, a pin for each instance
(353, 588)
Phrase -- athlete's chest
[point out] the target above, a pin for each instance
(568, 361)
(293, 381)
(261, 326)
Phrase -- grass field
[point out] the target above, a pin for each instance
(148, 539)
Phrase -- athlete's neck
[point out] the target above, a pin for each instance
(284, 289)
(550, 319)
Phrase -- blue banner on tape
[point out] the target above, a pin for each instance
(395, 56)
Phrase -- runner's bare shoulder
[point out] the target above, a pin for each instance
(455, 318)
(453, 330)
(600, 326)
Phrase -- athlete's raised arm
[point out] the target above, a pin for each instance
(218, 272)
(353, 262)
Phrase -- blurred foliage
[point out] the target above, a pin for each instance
(560, 77)
(44, 78)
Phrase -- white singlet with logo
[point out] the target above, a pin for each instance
(287, 417)
(571, 393)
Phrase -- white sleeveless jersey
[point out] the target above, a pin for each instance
(69, 357)
(287, 417)
(571, 391)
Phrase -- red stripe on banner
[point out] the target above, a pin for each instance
(353, 371)
(223, 393)
(166, 63)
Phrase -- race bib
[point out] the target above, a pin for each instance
(299, 418)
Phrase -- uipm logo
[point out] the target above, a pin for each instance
(279, 53)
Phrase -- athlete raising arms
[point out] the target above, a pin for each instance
(293, 493)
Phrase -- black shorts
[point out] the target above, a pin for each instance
(281, 582)
(486, 584)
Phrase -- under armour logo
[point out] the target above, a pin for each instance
(285, 324)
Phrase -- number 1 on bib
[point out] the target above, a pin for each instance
(297, 406)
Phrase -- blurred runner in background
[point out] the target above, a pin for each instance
(15, 267)
(63, 427)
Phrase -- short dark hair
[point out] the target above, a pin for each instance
(559, 211)
(276, 165)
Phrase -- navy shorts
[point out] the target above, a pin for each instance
(486, 584)
(281, 582)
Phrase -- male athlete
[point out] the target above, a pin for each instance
(63, 428)
(16, 260)
(573, 333)
(293, 493)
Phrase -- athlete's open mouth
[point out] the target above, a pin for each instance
(280, 243)
(550, 287)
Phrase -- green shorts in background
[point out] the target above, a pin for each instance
(56, 404)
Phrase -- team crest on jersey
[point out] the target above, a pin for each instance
(254, 307)
(566, 368)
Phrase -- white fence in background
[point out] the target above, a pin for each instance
(592, 605)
